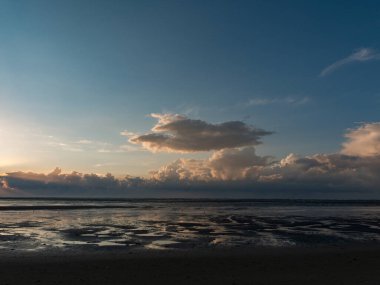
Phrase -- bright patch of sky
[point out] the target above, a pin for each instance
(75, 74)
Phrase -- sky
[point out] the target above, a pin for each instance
(134, 87)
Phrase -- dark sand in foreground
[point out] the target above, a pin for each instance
(252, 266)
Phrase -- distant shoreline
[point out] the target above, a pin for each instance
(215, 200)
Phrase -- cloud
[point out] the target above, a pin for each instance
(361, 55)
(334, 171)
(4, 185)
(233, 164)
(258, 101)
(357, 165)
(177, 133)
(86, 145)
(223, 165)
(84, 141)
(70, 184)
(127, 133)
(354, 169)
(363, 141)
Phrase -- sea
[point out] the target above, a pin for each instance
(178, 224)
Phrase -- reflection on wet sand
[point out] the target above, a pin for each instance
(177, 225)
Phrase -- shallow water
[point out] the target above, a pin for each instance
(30, 225)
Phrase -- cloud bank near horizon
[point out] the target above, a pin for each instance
(233, 165)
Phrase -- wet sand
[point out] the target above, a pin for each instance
(212, 266)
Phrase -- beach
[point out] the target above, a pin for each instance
(57, 241)
(230, 266)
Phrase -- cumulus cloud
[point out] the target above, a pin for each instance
(4, 185)
(177, 133)
(232, 164)
(363, 141)
(356, 167)
(183, 170)
(361, 55)
(223, 165)
(334, 171)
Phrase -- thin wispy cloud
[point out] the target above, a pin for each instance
(128, 133)
(86, 145)
(361, 55)
(84, 141)
(261, 101)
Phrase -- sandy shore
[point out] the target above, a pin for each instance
(239, 266)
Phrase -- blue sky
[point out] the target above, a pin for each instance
(74, 74)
